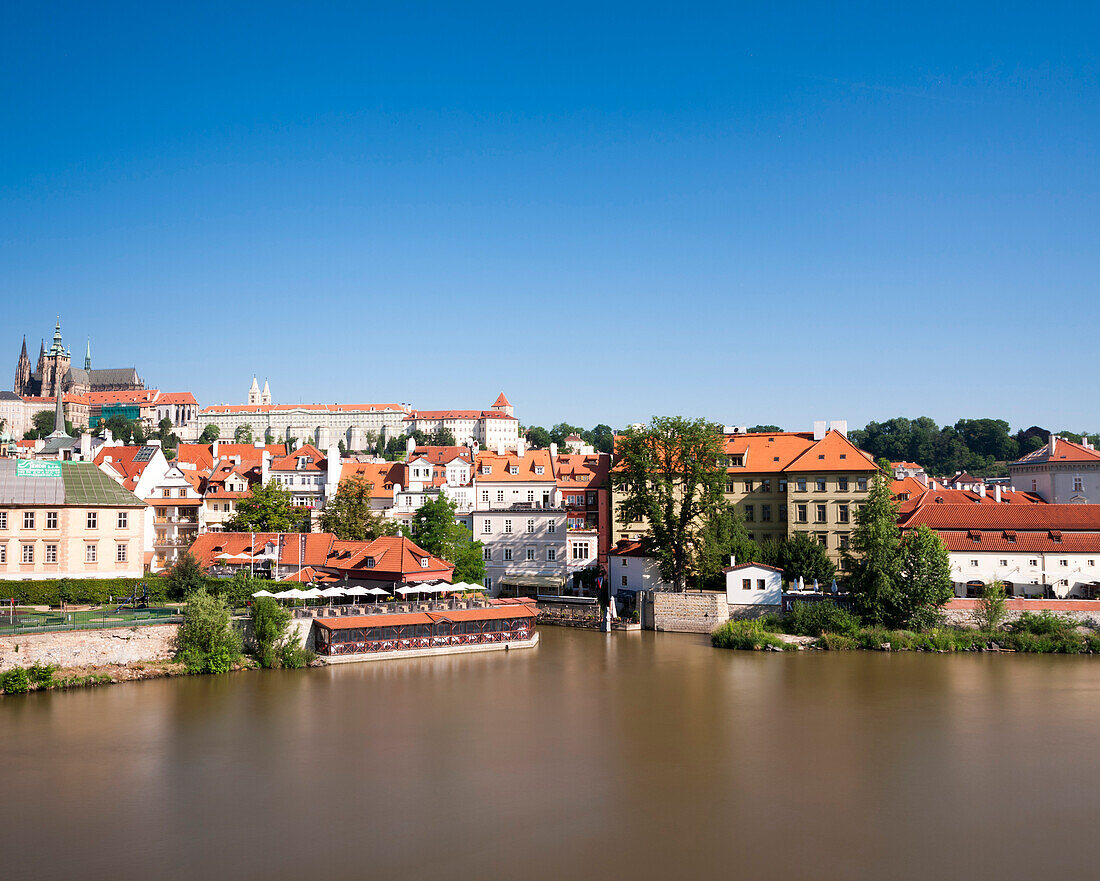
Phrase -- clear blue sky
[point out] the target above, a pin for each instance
(754, 212)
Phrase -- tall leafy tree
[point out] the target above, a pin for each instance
(267, 509)
(873, 558)
(185, 576)
(538, 437)
(243, 434)
(672, 475)
(434, 528)
(209, 434)
(442, 437)
(800, 556)
(349, 515)
(602, 438)
(924, 578)
(724, 536)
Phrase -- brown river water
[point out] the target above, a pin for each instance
(591, 756)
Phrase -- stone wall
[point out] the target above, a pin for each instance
(689, 612)
(75, 648)
(755, 610)
(961, 610)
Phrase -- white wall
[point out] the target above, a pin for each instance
(766, 586)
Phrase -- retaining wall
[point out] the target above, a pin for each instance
(961, 610)
(75, 648)
(689, 612)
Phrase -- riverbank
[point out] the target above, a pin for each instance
(50, 678)
(1044, 633)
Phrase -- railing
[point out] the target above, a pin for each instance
(19, 622)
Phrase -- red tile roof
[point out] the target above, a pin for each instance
(1037, 542)
(774, 452)
(381, 475)
(396, 558)
(493, 613)
(135, 396)
(290, 461)
(570, 467)
(315, 546)
(452, 415)
(177, 398)
(1010, 517)
(501, 401)
(525, 465)
(443, 455)
(1064, 451)
(305, 408)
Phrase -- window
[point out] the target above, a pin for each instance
(746, 584)
(530, 525)
(51, 553)
(28, 519)
(507, 527)
(488, 583)
(3, 553)
(1034, 486)
(487, 554)
(861, 484)
(488, 527)
(822, 539)
(735, 461)
(800, 513)
(759, 583)
(580, 550)
(370, 562)
(551, 554)
(540, 469)
(530, 495)
(1077, 485)
(1003, 562)
(424, 562)
(819, 482)
(89, 554)
(513, 470)
(551, 526)
(530, 554)
(822, 513)
(765, 486)
(843, 540)
(750, 514)
(3, 519)
(500, 495)
(1063, 562)
(624, 581)
(507, 553)
(730, 487)
(842, 484)
(51, 519)
(93, 520)
(28, 553)
(1033, 562)
(782, 484)
(766, 513)
(973, 562)
(783, 513)
(748, 486)
(166, 493)
(485, 496)
(801, 484)
(120, 553)
(842, 514)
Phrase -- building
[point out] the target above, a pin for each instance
(583, 482)
(75, 407)
(519, 519)
(178, 508)
(754, 585)
(304, 474)
(1060, 472)
(67, 520)
(786, 483)
(630, 569)
(492, 428)
(55, 373)
(14, 420)
(130, 404)
(182, 410)
(1034, 549)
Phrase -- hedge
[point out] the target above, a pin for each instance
(84, 591)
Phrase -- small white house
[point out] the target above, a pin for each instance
(754, 584)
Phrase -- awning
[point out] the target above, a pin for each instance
(535, 581)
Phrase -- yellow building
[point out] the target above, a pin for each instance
(67, 520)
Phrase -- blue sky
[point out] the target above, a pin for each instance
(757, 213)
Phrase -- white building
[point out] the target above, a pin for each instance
(495, 427)
(1060, 472)
(754, 584)
(630, 569)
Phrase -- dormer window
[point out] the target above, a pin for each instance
(539, 469)
(370, 562)
(512, 469)
(735, 462)
(486, 469)
(424, 563)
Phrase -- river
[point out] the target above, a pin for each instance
(590, 756)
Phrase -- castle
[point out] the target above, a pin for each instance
(55, 373)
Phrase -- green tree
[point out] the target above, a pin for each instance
(562, 430)
(243, 434)
(800, 556)
(723, 536)
(603, 438)
(209, 434)
(764, 429)
(349, 514)
(538, 438)
(442, 437)
(434, 528)
(873, 558)
(185, 577)
(269, 627)
(138, 432)
(266, 509)
(991, 610)
(924, 578)
(43, 422)
(164, 428)
(207, 642)
(671, 475)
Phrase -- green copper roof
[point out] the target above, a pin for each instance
(85, 484)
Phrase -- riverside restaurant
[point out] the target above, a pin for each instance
(498, 625)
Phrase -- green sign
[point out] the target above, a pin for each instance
(35, 468)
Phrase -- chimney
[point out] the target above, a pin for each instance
(1053, 443)
(733, 560)
(500, 449)
(840, 425)
(86, 447)
(410, 445)
(981, 490)
(997, 493)
(265, 467)
(520, 447)
(214, 449)
(553, 450)
(819, 429)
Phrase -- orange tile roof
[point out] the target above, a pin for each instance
(289, 461)
(381, 475)
(1013, 516)
(493, 613)
(395, 557)
(1064, 451)
(446, 415)
(501, 401)
(525, 466)
(315, 546)
(773, 452)
(443, 455)
(177, 398)
(569, 467)
(965, 497)
(908, 486)
(134, 396)
(307, 408)
(1021, 542)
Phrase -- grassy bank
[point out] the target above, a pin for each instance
(834, 629)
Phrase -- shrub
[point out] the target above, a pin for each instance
(269, 624)
(1092, 643)
(836, 642)
(293, 656)
(991, 610)
(83, 591)
(207, 642)
(1043, 623)
(746, 635)
(813, 619)
(772, 622)
(42, 675)
(15, 681)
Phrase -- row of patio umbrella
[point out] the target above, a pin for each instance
(801, 585)
(314, 593)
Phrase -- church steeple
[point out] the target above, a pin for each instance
(59, 417)
(88, 356)
(23, 372)
(254, 392)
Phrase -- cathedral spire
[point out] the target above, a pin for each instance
(59, 417)
(88, 356)
(23, 354)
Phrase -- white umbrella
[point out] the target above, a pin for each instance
(264, 593)
(312, 594)
(290, 594)
(357, 591)
(801, 583)
(378, 592)
(410, 588)
(334, 592)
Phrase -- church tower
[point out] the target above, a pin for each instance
(88, 356)
(254, 392)
(56, 365)
(23, 372)
(265, 396)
